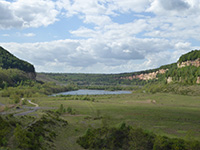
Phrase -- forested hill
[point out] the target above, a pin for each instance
(8, 61)
(191, 56)
(14, 71)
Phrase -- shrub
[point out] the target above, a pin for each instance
(128, 138)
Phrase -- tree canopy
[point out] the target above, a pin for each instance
(193, 55)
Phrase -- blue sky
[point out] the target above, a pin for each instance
(99, 36)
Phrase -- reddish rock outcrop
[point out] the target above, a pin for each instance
(189, 63)
(146, 76)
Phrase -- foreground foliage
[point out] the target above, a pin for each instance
(37, 134)
(128, 138)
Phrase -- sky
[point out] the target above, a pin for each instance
(99, 36)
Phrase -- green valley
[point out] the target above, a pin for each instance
(162, 112)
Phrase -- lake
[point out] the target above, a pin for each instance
(92, 92)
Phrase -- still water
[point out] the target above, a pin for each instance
(92, 92)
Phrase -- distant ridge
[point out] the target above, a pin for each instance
(186, 71)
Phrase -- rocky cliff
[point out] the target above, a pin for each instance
(195, 63)
(146, 76)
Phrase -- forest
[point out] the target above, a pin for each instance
(192, 55)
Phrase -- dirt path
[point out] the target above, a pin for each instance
(24, 110)
(36, 105)
(31, 109)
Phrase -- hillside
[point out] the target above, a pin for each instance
(186, 71)
(8, 60)
(191, 56)
(14, 70)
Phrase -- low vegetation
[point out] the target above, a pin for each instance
(175, 88)
(33, 89)
(78, 97)
(164, 118)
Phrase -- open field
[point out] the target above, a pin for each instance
(164, 114)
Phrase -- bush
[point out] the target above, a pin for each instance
(123, 137)
(5, 129)
(61, 109)
(128, 138)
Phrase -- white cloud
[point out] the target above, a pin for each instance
(131, 5)
(178, 5)
(7, 17)
(87, 55)
(6, 35)
(174, 7)
(183, 46)
(35, 13)
(29, 34)
(157, 34)
(84, 32)
(25, 14)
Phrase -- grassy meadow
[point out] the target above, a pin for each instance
(161, 113)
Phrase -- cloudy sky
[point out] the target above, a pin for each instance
(99, 36)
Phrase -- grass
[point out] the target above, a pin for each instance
(164, 114)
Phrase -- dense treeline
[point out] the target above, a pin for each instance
(193, 55)
(100, 80)
(128, 138)
(111, 88)
(169, 66)
(33, 89)
(7, 60)
(89, 80)
(92, 80)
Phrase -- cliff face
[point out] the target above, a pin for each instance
(146, 76)
(195, 63)
(169, 80)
